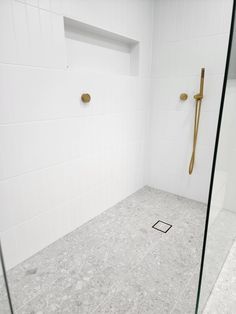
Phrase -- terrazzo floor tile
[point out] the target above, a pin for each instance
(116, 263)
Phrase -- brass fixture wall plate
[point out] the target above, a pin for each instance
(85, 98)
(183, 96)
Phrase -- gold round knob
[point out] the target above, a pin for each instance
(183, 96)
(85, 98)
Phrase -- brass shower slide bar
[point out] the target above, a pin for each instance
(198, 98)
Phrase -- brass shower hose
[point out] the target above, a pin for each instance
(198, 105)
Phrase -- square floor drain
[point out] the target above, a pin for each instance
(162, 226)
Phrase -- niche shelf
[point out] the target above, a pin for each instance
(89, 47)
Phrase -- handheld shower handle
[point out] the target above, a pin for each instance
(199, 96)
(202, 81)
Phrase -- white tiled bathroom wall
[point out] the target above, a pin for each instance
(63, 162)
(188, 36)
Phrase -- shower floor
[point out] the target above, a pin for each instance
(118, 263)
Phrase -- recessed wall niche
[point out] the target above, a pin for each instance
(89, 47)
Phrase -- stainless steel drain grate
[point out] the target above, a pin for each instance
(162, 226)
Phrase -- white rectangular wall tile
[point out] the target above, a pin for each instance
(21, 33)
(30, 35)
(7, 33)
(47, 50)
(34, 26)
(58, 42)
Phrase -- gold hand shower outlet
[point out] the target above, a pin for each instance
(198, 97)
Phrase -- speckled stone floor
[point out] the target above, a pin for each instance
(117, 263)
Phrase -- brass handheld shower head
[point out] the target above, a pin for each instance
(199, 96)
(202, 72)
(202, 81)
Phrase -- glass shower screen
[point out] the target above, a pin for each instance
(217, 284)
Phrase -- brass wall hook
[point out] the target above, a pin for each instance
(85, 98)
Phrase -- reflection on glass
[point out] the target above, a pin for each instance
(221, 245)
(4, 301)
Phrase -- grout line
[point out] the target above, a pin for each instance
(187, 39)
(64, 68)
(34, 66)
(81, 116)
